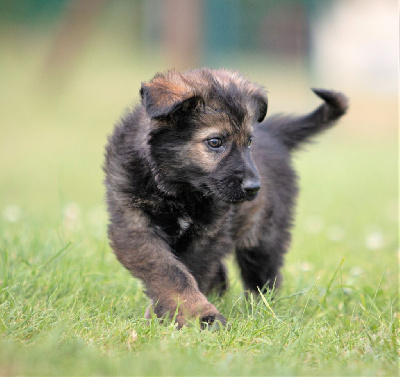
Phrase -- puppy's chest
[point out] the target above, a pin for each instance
(179, 224)
(173, 224)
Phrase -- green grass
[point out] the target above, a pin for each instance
(67, 307)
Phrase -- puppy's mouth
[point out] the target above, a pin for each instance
(238, 198)
(244, 198)
(251, 196)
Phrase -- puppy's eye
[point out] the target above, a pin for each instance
(214, 143)
(249, 142)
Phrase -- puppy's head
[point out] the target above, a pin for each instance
(201, 131)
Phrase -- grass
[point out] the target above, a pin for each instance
(67, 307)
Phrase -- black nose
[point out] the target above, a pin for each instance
(251, 187)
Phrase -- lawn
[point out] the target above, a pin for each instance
(67, 307)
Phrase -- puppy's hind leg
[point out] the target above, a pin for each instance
(219, 282)
(260, 267)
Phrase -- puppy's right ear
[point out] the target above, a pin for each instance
(261, 107)
(160, 101)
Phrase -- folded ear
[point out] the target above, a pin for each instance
(261, 107)
(160, 101)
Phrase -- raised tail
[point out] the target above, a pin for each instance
(293, 131)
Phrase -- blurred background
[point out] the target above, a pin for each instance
(69, 68)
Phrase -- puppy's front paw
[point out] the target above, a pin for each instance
(188, 310)
(210, 317)
(214, 321)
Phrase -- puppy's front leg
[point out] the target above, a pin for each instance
(168, 282)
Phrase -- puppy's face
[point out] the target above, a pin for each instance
(201, 138)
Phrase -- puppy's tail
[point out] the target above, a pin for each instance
(293, 131)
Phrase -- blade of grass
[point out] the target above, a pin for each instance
(323, 300)
(62, 250)
(268, 306)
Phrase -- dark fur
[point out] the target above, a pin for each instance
(177, 206)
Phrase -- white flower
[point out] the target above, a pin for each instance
(356, 271)
(12, 213)
(305, 266)
(71, 215)
(374, 240)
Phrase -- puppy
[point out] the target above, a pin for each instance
(194, 173)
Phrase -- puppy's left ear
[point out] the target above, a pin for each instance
(261, 106)
(160, 102)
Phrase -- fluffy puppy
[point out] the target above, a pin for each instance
(194, 173)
